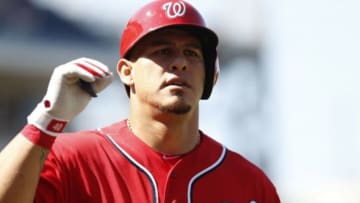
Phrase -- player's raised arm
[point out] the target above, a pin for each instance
(70, 89)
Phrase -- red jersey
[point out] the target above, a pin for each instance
(112, 165)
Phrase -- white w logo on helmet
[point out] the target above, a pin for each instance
(174, 9)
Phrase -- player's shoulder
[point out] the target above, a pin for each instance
(84, 139)
(234, 161)
(233, 158)
(244, 171)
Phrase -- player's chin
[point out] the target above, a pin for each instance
(176, 104)
(179, 108)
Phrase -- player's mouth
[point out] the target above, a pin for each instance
(176, 82)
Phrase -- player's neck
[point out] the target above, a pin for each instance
(174, 135)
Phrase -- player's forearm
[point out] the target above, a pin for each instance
(21, 163)
(22, 159)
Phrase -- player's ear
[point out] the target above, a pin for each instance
(124, 70)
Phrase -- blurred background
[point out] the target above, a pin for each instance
(287, 98)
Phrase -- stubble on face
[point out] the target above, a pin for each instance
(179, 107)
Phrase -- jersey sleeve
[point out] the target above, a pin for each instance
(65, 174)
(57, 176)
(52, 182)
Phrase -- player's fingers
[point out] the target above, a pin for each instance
(72, 72)
(100, 77)
(101, 83)
(86, 69)
(98, 66)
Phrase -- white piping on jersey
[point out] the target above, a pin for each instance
(198, 175)
(152, 179)
(128, 156)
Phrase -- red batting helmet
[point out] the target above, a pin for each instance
(160, 14)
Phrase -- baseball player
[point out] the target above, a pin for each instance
(158, 154)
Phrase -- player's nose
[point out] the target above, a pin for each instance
(179, 62)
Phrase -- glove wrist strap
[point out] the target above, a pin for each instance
(36, 136)
(45, 122)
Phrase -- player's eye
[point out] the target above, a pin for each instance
(193, 53)
(163, 51)
(190, 53)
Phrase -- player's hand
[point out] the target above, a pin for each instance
(65, 98)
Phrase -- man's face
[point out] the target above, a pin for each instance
(169, 71)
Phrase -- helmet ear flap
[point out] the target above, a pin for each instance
(211, 70)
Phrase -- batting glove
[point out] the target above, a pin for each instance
(65, 98)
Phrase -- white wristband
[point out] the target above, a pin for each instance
(45, 122)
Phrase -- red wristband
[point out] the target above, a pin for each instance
(38, 137)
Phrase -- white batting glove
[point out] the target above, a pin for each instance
(65, 98)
